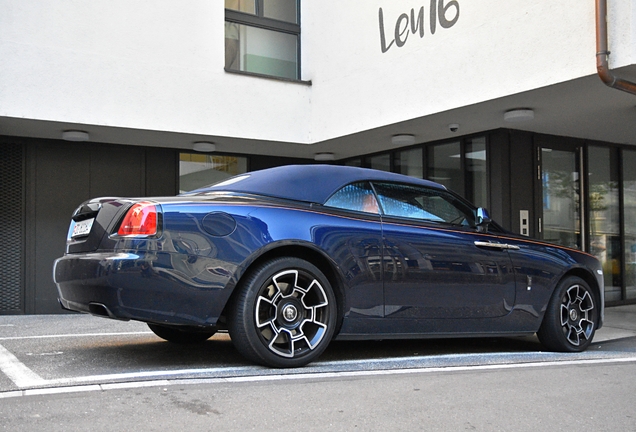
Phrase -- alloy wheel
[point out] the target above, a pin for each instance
(292, 313)
(577, 306)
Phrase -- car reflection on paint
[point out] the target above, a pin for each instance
(289, 258)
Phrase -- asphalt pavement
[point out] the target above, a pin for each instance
(46, 353)
(78, 372)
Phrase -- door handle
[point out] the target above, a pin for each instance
(492, 245)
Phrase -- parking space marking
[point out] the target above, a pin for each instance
(75, 335)
(17, 372)
(408, 371)
(158, 373)
(29, 382)
(299, 376)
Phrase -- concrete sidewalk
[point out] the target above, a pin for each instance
(620, 322)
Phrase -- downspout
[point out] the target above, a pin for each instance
(602, 52)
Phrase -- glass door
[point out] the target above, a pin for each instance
(604, 219)
(629, 242)
(559, 175)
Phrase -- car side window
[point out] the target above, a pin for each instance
(423, 204)
(356, 196)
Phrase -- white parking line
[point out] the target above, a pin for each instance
(30, 383)
(74, 335)
(152, 374)
(295, 376)
(17, 372)
(325, 375)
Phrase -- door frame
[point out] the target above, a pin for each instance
(580, 151)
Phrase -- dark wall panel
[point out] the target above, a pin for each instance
(499, 177)
(11, 228)
(162, 177)
(61, 181)
(62, 176)
(117, 171)
(522, 173)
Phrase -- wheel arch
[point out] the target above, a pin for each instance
(590, 279)
(309, 254)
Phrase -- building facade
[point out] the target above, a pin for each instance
(500, 101)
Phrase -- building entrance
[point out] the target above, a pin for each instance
(560, 177)
(583, 202)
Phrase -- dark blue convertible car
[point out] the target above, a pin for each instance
(288, 258)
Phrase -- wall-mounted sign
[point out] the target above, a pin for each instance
(446, 13)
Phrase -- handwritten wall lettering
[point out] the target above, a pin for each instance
(406, 24)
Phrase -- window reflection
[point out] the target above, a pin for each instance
(283, 10)
(604, 219)
(198, 170)
(445, 166)
(256, 50)
(461, 166)
(409, 162)
(476, 173)
(629, 197)
(246, 6)
(561, 212)
(381, 162)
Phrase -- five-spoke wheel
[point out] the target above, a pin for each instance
(284, 313)
(571, 318)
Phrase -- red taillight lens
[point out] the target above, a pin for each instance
(141, 219)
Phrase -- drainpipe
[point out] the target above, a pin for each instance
(602, 52)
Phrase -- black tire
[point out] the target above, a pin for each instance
(571, 318)
(180, 336)
(283, 314)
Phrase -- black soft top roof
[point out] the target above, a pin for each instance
(309, 183)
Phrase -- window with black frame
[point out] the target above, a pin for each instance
(197, 170)
(262, 37)
(460, 165)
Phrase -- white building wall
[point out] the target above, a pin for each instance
(622, 32)
(495, 49)
(158, 65)
(155, 65)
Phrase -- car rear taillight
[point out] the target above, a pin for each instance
(141, 220)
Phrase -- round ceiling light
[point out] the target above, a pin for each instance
(403, 139)
(75, 135)
(519, 115)
(322, 157)
(204, 147)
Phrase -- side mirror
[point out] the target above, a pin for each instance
(482, 220)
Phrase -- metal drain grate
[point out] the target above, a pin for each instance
(11, 227)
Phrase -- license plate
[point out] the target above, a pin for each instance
(82, 228)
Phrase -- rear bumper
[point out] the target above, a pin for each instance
(157, 287)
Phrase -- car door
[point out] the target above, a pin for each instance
(437, 265)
